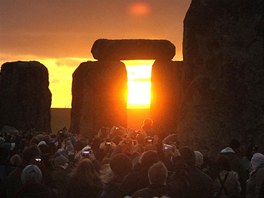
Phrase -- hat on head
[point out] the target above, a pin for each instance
(120, 164)
(227, 150)
(31, 174)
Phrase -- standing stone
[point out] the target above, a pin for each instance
(98, 97)
(133, 49)
(25, 98)
(223, 57)
(167, 93)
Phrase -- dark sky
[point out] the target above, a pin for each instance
(68, 28)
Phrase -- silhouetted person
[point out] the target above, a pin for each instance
(233, 153)
(179, 181)
(13, 183)
(84, 181)
(255, 184)
(138, 178)
(32, 185)
(227, 183)
(59, 175)
(157, 175)
(201, 185)
(120, 166)
(147, 127)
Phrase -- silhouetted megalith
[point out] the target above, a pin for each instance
(133, 49)
(98, 96)
(223, 56)
(166, 90)
(25, 97)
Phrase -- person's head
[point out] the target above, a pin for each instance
(178, 163)
(223, 163)
(187, 155)
(117, 132)
(147, 124)
(158, 174)
(85, 172)
(235, 145)
(16, 160)
(127, 146)
(148, 158)
(205, 150)
(43, 147)
(257, 160)
(23, 143)
(198, 158)
(34, 141)
(31, 174)
(107, 145)
(120, 164)
(30, 153)
(61, 161)
(171, 139)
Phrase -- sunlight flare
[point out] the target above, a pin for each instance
(60, 78)
(139, 83)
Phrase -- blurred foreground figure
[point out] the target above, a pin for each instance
(84, 181)
(234, 156)
(31, 178)
(227, 183)
(117, 169)
(201, 185)
(157, 175)
(138, 177)
(255, 183)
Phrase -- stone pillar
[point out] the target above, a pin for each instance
(25, 98)
(223, 54)
(100, 88)
(98, 97)
(167, 93)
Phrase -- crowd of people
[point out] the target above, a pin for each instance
(120, 162)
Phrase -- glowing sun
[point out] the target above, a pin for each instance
(139, 83)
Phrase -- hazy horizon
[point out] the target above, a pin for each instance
(60, 34)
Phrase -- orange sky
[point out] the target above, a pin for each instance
(60, 34)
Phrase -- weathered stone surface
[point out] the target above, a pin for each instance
(223, 54)
(133, 49)
(25, 98)
(98, 96)
(167, 84)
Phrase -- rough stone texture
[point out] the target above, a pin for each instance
(25, 98)
(98, 96)
(223, 54)
(134, 49)
(167, 84)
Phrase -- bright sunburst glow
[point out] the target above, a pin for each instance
(60, 78)
(139, 83)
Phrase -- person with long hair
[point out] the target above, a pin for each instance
(84, 181)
